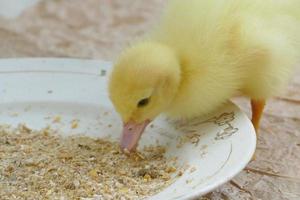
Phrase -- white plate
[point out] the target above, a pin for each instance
(32, 89)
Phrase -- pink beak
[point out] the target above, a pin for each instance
(131, 134)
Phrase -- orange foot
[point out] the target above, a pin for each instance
(257, 107)
(257, 110)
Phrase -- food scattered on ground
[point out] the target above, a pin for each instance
(43, 165)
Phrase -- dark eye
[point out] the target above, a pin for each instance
(143, 102)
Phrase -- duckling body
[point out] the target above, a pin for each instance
(227, 48)
(200, 55)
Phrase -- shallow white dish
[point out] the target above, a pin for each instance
(32, 90)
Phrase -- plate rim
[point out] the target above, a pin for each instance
(236, 169)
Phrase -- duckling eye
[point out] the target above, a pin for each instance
(143, 102)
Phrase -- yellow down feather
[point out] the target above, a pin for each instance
(203, 52)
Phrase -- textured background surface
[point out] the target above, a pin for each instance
(100, 28)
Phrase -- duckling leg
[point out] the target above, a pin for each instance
(257, 110)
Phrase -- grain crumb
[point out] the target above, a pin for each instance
(180, 173)
(188, 181)
(171, 169)
(14, 114)
(74, 123)
(56, 119)
(193, 169)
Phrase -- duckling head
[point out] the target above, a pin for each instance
(143, 83)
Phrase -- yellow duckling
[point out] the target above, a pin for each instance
(200, 55)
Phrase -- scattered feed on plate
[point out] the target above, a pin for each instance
(56, 119)
(74, 123)
(40, 164)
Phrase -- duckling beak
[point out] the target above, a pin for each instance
(131, 134)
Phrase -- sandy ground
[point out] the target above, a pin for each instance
(101, 28)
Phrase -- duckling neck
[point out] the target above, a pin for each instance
(203, 88)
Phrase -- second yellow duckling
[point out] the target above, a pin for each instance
(200, 55)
